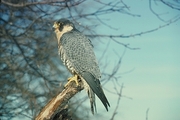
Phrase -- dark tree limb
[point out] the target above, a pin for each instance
(57, 106)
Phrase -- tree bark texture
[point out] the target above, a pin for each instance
(57, 108)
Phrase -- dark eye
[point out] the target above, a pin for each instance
(60, 23)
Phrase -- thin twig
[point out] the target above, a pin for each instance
(147, 111)
(118, 101)
(136, 34)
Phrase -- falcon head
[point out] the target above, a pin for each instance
(63, 25)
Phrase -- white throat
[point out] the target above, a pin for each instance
(59, 34)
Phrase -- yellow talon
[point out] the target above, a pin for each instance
(71, 79)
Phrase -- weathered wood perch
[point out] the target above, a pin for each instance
(58, 104)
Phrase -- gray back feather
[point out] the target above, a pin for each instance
(79, 52)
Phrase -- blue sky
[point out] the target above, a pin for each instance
(155, 79)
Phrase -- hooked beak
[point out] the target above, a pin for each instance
(55, 26)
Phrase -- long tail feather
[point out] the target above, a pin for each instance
(96, 88)
(91, 96)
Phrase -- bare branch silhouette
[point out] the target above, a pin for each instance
(147, 112)
(58, 104)
(119, 93)
(172, 5)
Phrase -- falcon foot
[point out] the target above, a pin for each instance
(71, 79)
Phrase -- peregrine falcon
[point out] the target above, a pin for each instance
(77, 54)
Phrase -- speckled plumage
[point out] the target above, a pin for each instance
(77, 54)
(78, 50)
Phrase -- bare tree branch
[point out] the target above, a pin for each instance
(119, 94)
(136, 34)
(147, 112)
(171, 5)
(59, 102)
(23, 4)
(175, 6)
